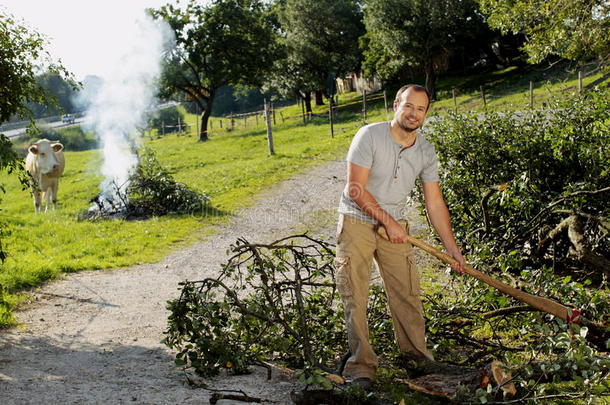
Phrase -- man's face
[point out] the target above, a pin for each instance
(410, 110)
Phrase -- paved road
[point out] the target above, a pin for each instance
(14, 133)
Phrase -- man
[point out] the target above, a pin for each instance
(383, 163)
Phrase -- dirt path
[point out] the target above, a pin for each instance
(94, 337)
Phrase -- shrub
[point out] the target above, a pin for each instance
(152, 191)
(73, 138)
(516, 184)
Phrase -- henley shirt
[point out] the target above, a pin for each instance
(393, 169)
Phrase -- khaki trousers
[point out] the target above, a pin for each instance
(357, 245)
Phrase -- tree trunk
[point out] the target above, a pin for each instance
(203, 132)
(431, 79)
(319, 97)
(205, 116)
(307, 100)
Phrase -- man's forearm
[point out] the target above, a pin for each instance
(441, 221)
(369, 205)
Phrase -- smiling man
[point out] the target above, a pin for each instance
(383, 162)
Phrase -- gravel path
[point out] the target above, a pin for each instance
(94, 337)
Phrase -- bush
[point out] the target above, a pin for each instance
(167, 120)
(73, 138)
(152, 191)
(516, 184)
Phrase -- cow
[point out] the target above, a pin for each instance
(45, 163)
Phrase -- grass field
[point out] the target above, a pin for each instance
(233, 167)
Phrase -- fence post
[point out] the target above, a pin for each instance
(179, 125)
(579, 81)
(197, 126)
(273, 111)
(303, 112)
(232, 122)
(484, 99)
(211, 124)
(531, 95)
(282, 117)
(269, 132)
(364, 105)
(220, 121)
(454, 101)
(385, 103)
(162, 127)
(330, 118)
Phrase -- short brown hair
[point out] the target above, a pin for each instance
(415, 87)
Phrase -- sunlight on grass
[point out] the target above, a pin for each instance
(233, 168)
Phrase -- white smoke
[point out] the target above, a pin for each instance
(118, 110)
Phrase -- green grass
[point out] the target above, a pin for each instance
(508, 89)
(233, 167)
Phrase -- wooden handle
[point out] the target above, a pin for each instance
(542, 304)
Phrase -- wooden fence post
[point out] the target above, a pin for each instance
(282, 117)
(330, 118)
(454, 100)
(579, 81)
(531, 95)
(273, 111)
(364, 105)
(220, 121)
(232, 122)
(269, 131)
(162, 127)
(197, 126)
(303, 112)
(385, 103)
(484, 99)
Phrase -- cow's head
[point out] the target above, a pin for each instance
(45, 155)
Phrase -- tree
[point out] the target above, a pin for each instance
(571, 29)
(416, 34)
(320, 42)
(21, 52)
(58, 89)
(227, 42)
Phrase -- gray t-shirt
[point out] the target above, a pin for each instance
(394, 169)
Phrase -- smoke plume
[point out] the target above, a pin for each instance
(118, 110)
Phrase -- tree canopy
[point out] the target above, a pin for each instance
(319, 42)
(416, 34)
(226, 42)
(22, 52)
(571, 29)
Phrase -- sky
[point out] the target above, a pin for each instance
(86, 35)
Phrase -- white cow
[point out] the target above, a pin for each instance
(45, 163)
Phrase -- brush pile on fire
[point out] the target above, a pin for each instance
(149, 191)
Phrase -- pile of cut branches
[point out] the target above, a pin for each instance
(150, 191)
(271, 302)
(276, 303)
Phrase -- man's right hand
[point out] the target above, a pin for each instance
(396, 232)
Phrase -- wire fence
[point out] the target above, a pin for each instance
(218, 126)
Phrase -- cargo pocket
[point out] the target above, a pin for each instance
(413, 275)
(342, 276)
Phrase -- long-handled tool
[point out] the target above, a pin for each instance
(543, 304)
(597, 335)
